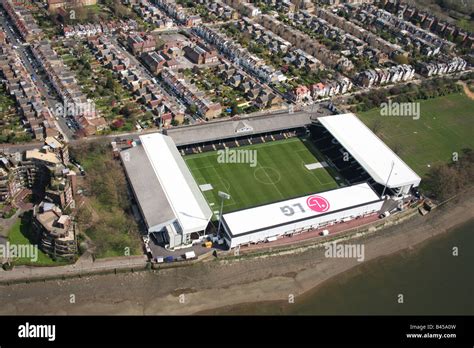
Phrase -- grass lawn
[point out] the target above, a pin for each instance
(20, 234)
(279, 174)
(445, 126)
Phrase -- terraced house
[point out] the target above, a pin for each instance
(36, 116)
(191, 94)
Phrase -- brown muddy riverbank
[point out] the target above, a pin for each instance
(204, 286)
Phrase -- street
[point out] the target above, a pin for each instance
(29, 60)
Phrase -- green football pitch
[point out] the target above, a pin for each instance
(279, 174)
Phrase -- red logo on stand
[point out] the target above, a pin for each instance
(318, 204)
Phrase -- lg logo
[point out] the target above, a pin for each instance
(318, 204)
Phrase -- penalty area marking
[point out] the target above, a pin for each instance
(206, 187)
(317, 165)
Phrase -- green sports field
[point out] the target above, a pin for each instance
(445, 126)
(279, 174)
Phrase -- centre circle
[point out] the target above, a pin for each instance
(267, 175)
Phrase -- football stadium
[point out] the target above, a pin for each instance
(272, 176)
(281, 172)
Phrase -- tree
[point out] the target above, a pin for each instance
(234, 108)
(401, 59)
(376, 126)
(84, 217)
(446, 180)
(129, 110)
(443, 181)
(192, 109)
(109, 84)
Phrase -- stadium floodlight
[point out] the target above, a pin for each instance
(389, 175)
(223, 197)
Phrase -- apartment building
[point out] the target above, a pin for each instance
(199, 53)
(55, 230)
(15, 174)
(140, 43)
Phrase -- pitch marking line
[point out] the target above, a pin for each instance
(276, 188)
(303, 166)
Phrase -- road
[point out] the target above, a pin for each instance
(29, 60)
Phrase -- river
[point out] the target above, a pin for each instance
(431, 279)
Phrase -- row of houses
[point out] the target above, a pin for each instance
(36, 117)
(245, 8)
(147, 92)
(382, 47)
(338, 2)
(66, 86)
(241, 56)
(429, 22)
(349, 44)
(22, 19)
(56, 4)
(270, 40)
(441, 67)
(303, 41)
(178, 13)
(302, 60)
(309, 94)
(86, 30)
(191, 94)
(261, 97)
(220, 10)
(153, 15)
(394, 74)
(428, 43)
(278, 45)
(284, 6)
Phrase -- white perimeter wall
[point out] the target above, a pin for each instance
(313, 223)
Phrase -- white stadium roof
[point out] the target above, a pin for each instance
(297, 209)
(371, 152)
(178, 194)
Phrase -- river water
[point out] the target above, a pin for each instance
(430, 278)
